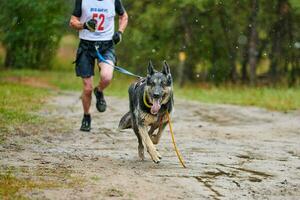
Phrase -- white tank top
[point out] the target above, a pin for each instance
(104, 12)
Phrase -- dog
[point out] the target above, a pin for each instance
(150, 100)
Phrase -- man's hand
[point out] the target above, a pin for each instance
(90, 25)
(117, 38)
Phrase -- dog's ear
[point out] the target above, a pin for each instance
(150, 68)
(166, 68)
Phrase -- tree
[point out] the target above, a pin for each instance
(32, 31)
(253, 40)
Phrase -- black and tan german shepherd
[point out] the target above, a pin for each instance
(150, 99)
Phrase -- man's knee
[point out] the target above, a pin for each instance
(106, 77)
(87, 86)
(88, 90)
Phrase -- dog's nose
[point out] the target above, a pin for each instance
(156, 95)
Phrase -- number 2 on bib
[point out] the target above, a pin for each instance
(101, 17)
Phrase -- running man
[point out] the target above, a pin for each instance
(94, 19)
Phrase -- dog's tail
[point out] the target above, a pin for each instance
(125, 122)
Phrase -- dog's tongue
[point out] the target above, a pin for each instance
(155, 107)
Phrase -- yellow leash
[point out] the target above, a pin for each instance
(174, 143)
(171, 131)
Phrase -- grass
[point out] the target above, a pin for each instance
(11, 186)
(24, 91)
(65, 80)
(17, 104)
(18, 101)
(278, 99)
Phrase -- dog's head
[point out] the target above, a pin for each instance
(158, 86)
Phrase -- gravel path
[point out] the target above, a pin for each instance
(231, 152)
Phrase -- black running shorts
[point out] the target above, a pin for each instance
(86, 55)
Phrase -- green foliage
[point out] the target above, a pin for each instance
(31, 31)
(210, 32)
(214, 34)
(296, 5)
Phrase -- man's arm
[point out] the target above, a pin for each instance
(75, 23)
(75, 18)
(123, 21)
(123, 17)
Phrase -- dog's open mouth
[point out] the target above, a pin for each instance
(155, 106)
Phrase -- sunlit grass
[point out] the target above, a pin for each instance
(280, 99)
(10, 186)
(22, 92)
(17, 104)
(66, 80)
(14, 187)
(18, 101)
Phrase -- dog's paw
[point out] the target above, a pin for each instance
(158, 154)
(155, 156)
(156, 160)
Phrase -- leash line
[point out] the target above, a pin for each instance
(117, 68)
(174, 143)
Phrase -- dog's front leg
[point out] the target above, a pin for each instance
(155, 138)
(137, 133)
(149, 145)
(141, 146)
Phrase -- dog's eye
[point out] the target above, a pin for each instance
(151, 83)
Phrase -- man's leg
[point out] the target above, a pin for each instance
(106, 74)
(87, 94)
(86, 103)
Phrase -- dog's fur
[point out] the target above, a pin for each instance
(157, 87)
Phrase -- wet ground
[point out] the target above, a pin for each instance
(231, 152)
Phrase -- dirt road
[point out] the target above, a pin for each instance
(231, 152)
